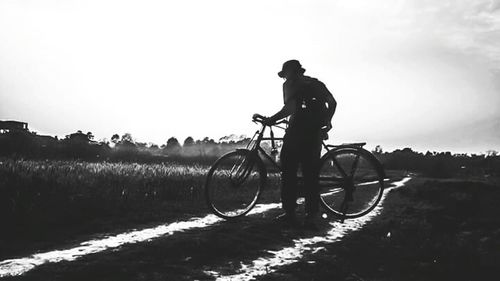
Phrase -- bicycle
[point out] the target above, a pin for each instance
(351, 179)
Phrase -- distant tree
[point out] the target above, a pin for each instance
(244, 141)
(115, 138)
(79, 136)
(407, 150)
(127, 141)
(189, 141)
(491, 153)
(141, 144)
(173, 145)
(90, 136)
(103, 141)
(207, 140)
(127, 137)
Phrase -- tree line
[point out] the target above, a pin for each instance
(82, 146)
(441, 164)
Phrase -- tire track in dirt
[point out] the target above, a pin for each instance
(18, 266)
(288, 255)
(189, 251)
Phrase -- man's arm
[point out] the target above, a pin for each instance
(332, 106)
(287, 110)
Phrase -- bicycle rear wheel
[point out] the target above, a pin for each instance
(234, 184)
(351, 182)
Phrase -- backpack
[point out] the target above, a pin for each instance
(311, 102)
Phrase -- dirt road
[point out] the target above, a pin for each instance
(255, 247)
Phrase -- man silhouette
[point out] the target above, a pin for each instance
(310, 107)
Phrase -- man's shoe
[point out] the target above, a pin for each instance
(288, 219)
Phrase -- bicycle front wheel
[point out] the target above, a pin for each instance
(351, 182)
(234, 184)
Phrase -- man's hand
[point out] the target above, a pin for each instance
(325, 130)
(257, 116)
(268, 121)
(265, 120)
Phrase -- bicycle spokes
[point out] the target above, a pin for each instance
(351, 182)
(234, 184)
(240, 171)
(354, 166)
(349, 191)
(336, 165)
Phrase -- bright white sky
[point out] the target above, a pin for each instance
(416, 73)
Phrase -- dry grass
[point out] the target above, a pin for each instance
(45, 193)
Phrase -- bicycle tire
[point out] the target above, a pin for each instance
(355, 169)
(234, 184)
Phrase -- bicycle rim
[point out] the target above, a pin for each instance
(351, 181)
(234, 184)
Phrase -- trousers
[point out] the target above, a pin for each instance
(301, 147)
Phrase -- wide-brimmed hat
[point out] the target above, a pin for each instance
(291, 65)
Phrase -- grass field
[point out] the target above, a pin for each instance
(45, 202)
(27, 186)
(445, 229)
(41, 199)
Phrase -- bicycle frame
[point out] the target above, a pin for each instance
(334, 174)
(258, 150)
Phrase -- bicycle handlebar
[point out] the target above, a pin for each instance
(257, 118)
(260, 119)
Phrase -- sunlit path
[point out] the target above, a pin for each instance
(289, 255)
(19, 266)
(337, 190)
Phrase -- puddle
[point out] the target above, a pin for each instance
(13, 267)
(293, 254)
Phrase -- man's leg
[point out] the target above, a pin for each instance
(310, 168)
(289, 166)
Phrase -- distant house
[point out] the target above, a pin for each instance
(12, 126)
